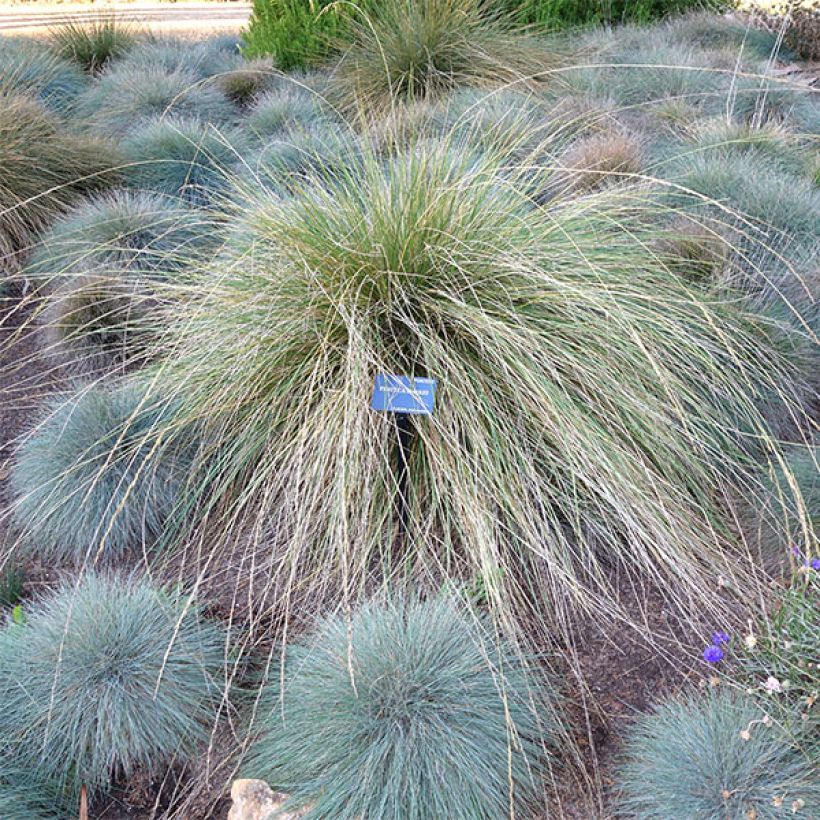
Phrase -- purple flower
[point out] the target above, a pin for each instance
(720, 637)
(815, 564)
(796, 552)
(713, 654)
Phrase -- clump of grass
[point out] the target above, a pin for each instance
(415, 710)
(93, 44)
(23, 796)
(280, 111)
(27, 67)
(300, 154)
(116, 675)
(778, 524)
(711, 31)
(688, 758)
(98, 265)
(245, 84)
(202, 61)
(126, 96)
(406, 50)
(649, 73)
(180, 157)
(603, 158)
(759, 98)
(538, 469)
(91, 482)
(43, 170)
(769, 144)
(775, 217)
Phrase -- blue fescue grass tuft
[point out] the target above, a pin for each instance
(201, 60)
(28, 67)
(107, 675)
(97, 266)
(90, 482)
(181, 157)
(125, 96)
(688, 758)
(413, 710)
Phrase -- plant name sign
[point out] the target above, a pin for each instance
(404, 395)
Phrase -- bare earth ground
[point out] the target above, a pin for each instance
(182, 18)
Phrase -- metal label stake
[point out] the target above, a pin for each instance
(404, 396)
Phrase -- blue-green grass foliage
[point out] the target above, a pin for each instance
(90, 482)
(423, 715)
(181, 157)
(108, 674)
(28, 67)
(98, 265)
(124, 96)
(687, 758)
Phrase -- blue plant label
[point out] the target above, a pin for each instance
(404, 394)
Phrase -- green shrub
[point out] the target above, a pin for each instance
(27, 67)
(116, 675)
(180, 157)
(423, 715)
(98, 264)
(93, 44)
(125, 97)
(562, 14)
(298, 33)
(90, 481)
(43, 169)
(688, 759)
(420, 49)
(437, 263)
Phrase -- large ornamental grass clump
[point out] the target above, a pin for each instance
(43, 169)
(713, 756)
(91, 481)
(105, 676)
(412, 710)
(98, 265)
(405, 50)
(592, 408)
